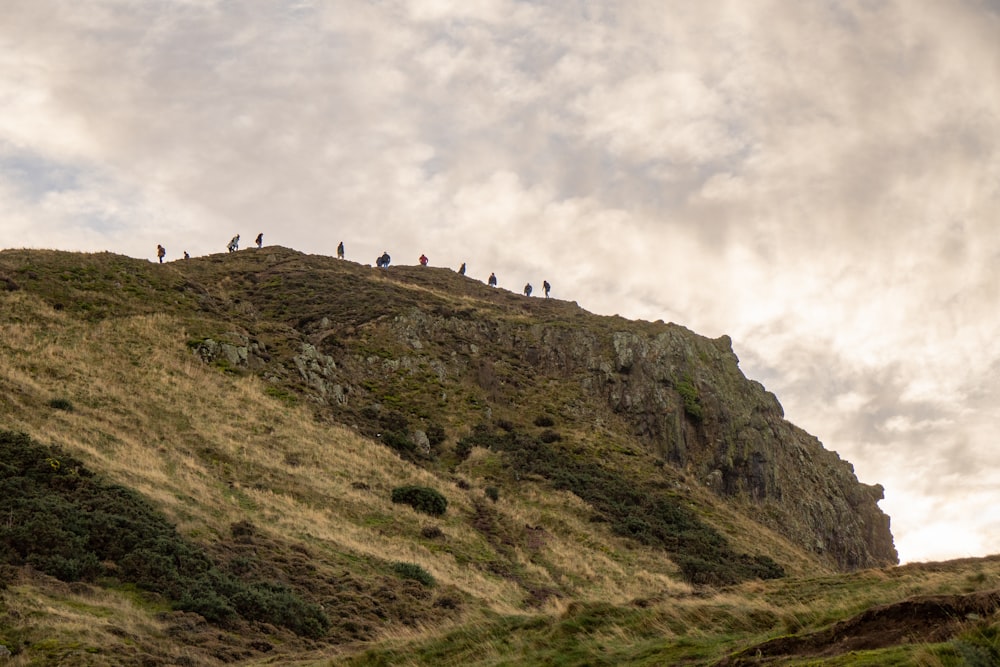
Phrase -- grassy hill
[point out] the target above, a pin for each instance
(201, 461)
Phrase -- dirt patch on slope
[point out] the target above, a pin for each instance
(926, 619)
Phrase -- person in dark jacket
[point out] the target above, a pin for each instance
(493, 280)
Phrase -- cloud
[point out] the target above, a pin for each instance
(818, 180)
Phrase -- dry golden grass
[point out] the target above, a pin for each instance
(211, 449)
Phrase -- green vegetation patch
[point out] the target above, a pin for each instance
(421, 498)
(65, 521)
(649, 515)
(414, 572)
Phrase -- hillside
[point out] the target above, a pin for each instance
(587, 487)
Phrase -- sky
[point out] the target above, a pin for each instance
(820, 180)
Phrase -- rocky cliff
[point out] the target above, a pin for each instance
(421, 349)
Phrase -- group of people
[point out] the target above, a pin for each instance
(232, 246)
(234, 243)
(527, 286)
(381, 262)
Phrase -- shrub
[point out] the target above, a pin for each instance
(549, 436)
(692, 401)
(413, 571)
(65, 521)
(431, 532)
(650, 515)
(401, 442)
(421, 498)
(544, 421)
(61, 404)
(493, 493)
(435, 434)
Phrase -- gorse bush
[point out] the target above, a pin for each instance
(413, 571)
(61, 404)
(649, 515)
(66, 522)
(421, 498)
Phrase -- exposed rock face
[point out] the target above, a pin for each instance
(457, 354)
(685, 396)
(681, 394)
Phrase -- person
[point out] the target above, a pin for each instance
(527, 289)
(340, 250)
(493, 280)
(546, 286)
(160, 252)
(461, 269)
(234, 244)
(186, 255)
(259, 240)
(423, 259)
(384, 260)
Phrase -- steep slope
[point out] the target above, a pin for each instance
(269, 402)
(447, 350)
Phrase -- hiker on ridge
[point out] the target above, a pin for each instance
(461, 269)
(234, 244)
(259, 240)
(423, 259)
(527, 289)
(160, 252)
(493, 280)
(340, 250)
(546, 286)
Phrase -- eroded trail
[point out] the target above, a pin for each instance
(927, 619)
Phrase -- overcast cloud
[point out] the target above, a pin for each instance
(818, 179)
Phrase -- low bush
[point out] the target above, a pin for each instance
(652, 516)
(61, 404)
(413, 571)
(63, 520)
(431, 533)
(692, 401)
(493, 493)
(421, 498)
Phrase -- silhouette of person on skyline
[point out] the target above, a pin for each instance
(461, 269)
(527, 289)
(493, 280)
(546, 286)
(160, 252)
(259, 240)
(340, 250)
(234, 244)
(423, 259)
